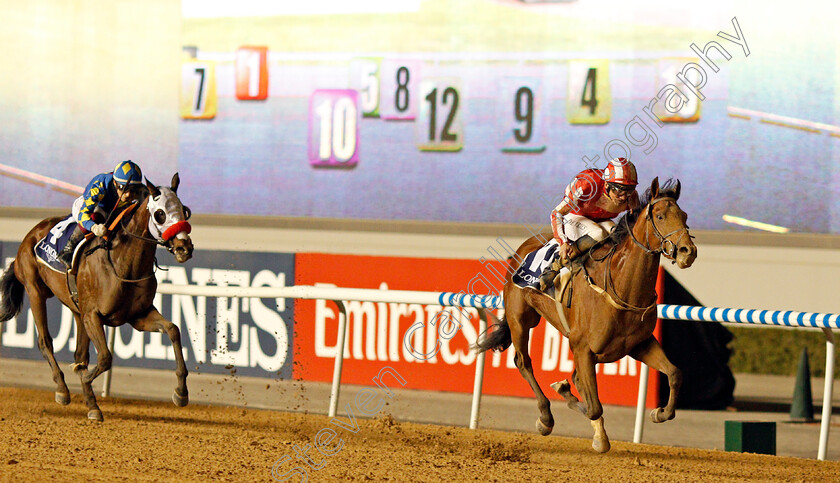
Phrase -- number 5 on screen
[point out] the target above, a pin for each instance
(334, 128)
(364, 77)
(198, 90)
(589, 100)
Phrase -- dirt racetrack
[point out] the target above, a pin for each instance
(154, 441)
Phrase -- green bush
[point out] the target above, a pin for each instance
(777, 351)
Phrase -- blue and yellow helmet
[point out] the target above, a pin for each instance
(127, 173)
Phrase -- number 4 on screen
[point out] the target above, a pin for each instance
(589, 100)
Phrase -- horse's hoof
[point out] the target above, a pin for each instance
(63, 399)
(543, 429)
(658, 416)
(601, 446)
(179, 400)
(562, 387)
(95, 415)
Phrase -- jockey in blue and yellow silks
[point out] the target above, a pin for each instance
(102, 194)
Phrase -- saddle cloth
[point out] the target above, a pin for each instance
(528, 273)
(48, 248)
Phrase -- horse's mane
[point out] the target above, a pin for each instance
(627, 220)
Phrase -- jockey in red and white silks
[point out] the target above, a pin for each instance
(592, 200)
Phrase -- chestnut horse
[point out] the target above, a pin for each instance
(116, 285)
(607, 319)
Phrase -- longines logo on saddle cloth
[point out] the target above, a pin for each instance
(48, 248)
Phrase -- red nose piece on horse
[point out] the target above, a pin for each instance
(175, 229)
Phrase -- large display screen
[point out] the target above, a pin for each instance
(484, 110)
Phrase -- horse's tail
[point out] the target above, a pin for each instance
(11, 291)
(496, 337)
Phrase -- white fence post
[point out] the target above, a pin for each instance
(479, 373)
(339, 358)
(828, 390)
(640, 403)
(106, 382)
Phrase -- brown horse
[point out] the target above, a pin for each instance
(116, 285)
(608, 319)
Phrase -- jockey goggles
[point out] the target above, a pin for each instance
(621, 188)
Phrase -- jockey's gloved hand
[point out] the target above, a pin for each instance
(98, 229)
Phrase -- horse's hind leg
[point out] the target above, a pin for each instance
(153, 321)
(519, 333)
(45, 344)
(651, 353)
(565, 390)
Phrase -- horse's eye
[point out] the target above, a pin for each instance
(660, 217)
(187, 212)
(160, 217)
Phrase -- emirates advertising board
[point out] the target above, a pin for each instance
(418, 342)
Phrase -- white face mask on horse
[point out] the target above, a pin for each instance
(169, 216)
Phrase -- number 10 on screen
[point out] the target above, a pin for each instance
(334, 128)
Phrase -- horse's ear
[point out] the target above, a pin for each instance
(677, 190)
(654, 188)
(153, 190)
(176, 180)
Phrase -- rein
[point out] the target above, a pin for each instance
(121, 221)
(616, 301)
(670, 254)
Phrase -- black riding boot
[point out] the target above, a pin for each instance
(547, 278)
(65, 256)
(581, 245)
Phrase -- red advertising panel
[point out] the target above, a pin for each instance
(424, 342)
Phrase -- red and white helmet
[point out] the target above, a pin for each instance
(621, 171)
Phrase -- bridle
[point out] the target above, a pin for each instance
(666, 247)
(132, 209)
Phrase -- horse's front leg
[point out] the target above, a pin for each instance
(153, 321)
(81, 356)
(587, 385)
(95, 330)
(651, 353)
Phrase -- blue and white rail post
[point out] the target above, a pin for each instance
(772, 318)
